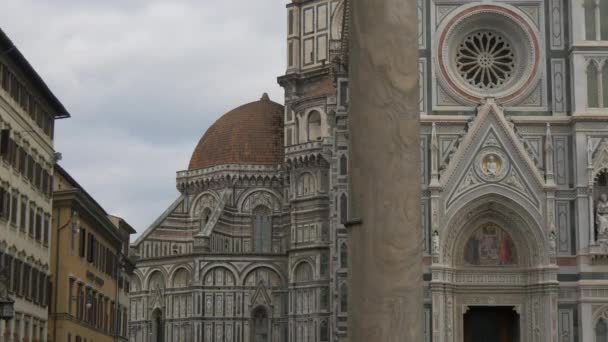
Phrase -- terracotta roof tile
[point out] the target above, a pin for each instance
(249, 134)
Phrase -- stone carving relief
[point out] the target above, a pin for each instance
(601, 218)
(597, 153)
(491, 164)
(558, 70)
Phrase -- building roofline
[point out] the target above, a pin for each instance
(60, 112)
(124, 224)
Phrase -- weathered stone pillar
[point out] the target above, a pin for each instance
(386, 265)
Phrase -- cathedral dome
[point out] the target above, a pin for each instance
(249, 134)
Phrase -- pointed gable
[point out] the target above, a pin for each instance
(492, 154)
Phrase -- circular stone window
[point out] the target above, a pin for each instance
(488, 51)
(485, 60)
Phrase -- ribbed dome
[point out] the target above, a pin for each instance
(249, 134)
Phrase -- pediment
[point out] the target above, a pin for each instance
(261, 296)
(491, 154)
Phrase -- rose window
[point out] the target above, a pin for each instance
(485, 60)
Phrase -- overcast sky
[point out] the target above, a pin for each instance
(143, 80)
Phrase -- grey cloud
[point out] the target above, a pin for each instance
(143, 80)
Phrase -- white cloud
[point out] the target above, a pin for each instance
(143, 80)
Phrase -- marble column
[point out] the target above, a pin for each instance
(385, 236)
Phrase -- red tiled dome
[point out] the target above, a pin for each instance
(249, 134)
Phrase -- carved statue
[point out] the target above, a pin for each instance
(435, 242)
(553, 242)
(492, 166)
(602, 217)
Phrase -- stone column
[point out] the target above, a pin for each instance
(385, 229)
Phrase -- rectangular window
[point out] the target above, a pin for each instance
(45, 236)
(32, 219)
(47, 291)
(82, 243)
(5, 78)
(23, 214)
(322, 17)
(4, 141)
(8, 263)
(290, 54)
(3, 211)
(7, 205)
(30, 168)
(27, 269)
(309, 20)
(290, 22)
(91, 246)
(603, 19)
(309, 53)
(22, 160)
(14, 208)
(322, 48)
(17, 278)
(42, 288)
(38, 235)
(35, 287)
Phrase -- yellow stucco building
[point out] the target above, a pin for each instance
(89, 267)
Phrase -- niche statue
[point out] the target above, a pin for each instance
(601, 216)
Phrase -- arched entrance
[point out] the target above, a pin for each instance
(157, 326)
(260, 324)
(492, 276)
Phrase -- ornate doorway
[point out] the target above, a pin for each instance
(491, 323)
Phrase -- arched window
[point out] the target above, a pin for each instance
(156, 280)
(590, 20)
(343, 255)
(601, 331)
(306, 184)
(344, 298)
(324, 264)
(343, 165)
(260, 325)
(324, 333)
(314, 126)
(324, 298)
(596, 19)
(303, 272)
(262, 229)
(181, 278)
(343, 209)
(593, 85)
(324, 232)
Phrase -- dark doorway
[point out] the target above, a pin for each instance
(157, 322)
(491, 324)
(260, 325)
